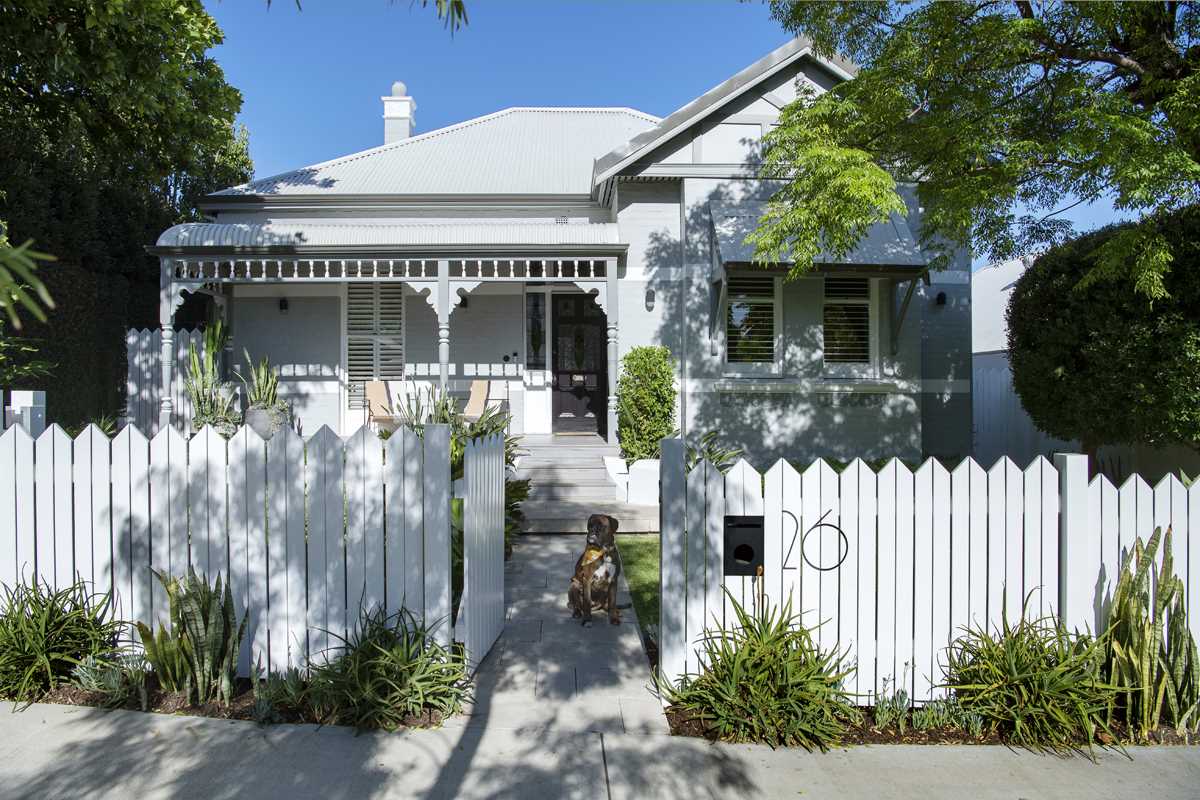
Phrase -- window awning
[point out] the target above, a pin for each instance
(887, 247)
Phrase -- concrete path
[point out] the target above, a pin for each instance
(547, 670)
(561, 712)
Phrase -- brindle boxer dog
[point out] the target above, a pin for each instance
(594, 585)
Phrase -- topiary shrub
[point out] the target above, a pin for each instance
(1097, 361)
(645, 401)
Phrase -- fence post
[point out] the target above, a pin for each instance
(672, 644)
(1075, 585)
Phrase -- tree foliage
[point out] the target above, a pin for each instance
(1100, 364)
(114, 122)
(992, 108)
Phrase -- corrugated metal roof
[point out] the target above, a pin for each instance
(887, 244)
(514, 151)
(432, 234)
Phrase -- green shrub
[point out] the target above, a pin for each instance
(199, 654)
(1157, 676)
(1033, 683)
(389, 672)
(766, 680)
(1094, 360)
(116, 677)
(645, 401)
(277, 694)
(45, 634)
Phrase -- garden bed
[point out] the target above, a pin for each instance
(866, 733)
(241, 707)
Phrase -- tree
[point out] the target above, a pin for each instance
(992, 107)
(1100, 364)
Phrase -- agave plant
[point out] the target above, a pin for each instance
(199, 655)
(1151, 655)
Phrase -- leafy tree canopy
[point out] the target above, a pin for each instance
(1098, 363)
(113, 122)
(992, 107)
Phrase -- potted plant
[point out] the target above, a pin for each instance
(266, 413)
(211, 398)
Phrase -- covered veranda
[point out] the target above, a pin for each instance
(436, 270)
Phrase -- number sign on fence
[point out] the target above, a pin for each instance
(892, 565)
(306, 532)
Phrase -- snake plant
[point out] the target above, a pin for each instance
(1152, 656)
(199, 655)
(262, 390)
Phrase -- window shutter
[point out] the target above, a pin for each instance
(374, 335)
(750, 320)
(847, 320)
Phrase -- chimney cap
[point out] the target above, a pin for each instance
(399, 89)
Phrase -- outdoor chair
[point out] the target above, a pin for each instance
(381, 411)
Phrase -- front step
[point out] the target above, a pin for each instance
(568, 482)
(569, 516)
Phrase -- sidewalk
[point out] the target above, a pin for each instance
(65, 752)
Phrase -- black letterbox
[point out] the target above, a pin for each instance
(743, 545)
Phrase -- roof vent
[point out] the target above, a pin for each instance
(398, 110)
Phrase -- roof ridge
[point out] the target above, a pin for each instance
(429, 135)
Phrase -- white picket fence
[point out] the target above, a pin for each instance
(926, 553)
(307, 532)
(143, 384)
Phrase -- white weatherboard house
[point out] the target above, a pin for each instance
(532, 247)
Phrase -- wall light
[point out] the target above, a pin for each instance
(283, 305)
(649, 299)
(941, 298)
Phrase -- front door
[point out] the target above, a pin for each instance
(580, 365)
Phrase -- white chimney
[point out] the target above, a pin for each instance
(398, 111)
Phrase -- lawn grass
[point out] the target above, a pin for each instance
(639, 560)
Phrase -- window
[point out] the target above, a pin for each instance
(847, 327)
(374, 335)
(752, 324)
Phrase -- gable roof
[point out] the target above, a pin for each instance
(536, 151)
(801, 47)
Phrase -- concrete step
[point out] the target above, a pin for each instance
(584, 476)
(566, 491)
(567, 516)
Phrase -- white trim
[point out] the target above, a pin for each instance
(344, 366)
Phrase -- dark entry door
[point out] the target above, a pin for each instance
(580, 365)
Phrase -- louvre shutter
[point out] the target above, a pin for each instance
(847, 320)
(374, 335)
(750, 320)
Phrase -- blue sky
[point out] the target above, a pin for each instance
(311, 79)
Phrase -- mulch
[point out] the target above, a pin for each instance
(866, 732)
(241, 707)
